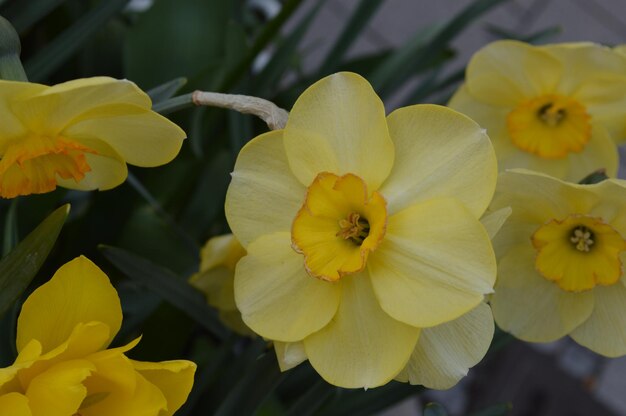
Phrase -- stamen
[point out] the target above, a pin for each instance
(354, 228)
(582, 238)
(551, 114)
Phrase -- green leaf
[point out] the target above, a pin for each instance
(10, 228)
(166, 90)
(207, 200)
(270, 75)
(262, 40)
(19, 267)
(311, 401)
(359, 19)
(368, 402)
(434, 409)
(535, 37)
(24, 14)
(501, 409)
(418, 55)
(64, 46)
(10, 48)
(170, 287)
(176, 38)
(258, 382)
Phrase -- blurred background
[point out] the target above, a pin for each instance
(412, 51)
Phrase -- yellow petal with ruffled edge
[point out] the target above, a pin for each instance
(277, 298)
(264, 195)
(338, 125)
(173, 378)
(362, 346)
(79, 292)
(435, 263)
(460, 160)
(444, 353)
(14, 404)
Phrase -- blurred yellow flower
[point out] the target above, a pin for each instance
(64, 367)
(78, 135)
(364, 248)
(560, 259)
(218, 259)
(548, 108)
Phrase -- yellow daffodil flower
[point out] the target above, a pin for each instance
(78, 135)
(548, 108)
(365, 254)
(219, 256)
(560, 259)
(64, 367)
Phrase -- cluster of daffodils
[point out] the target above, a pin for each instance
(559, 110)
(367, 244)
(65, 367)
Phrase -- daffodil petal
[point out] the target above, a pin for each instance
(78, 292)
(289, 354)
(460, 160)
(529, 306)
(604, 331)
(600, 153)
(494, 220)
(108, 170)
(119, 390)
(141, 136)
(444, 353)
(362, 346)
(11, 92)
(59, 391)
(276, 297)
(51, 109)
(435, 263)
(338, 125)
(504, 72)
(263, 196)
(173, 378)
(14, 404)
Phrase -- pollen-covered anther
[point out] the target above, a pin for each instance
(354, 228)
(582, 238)
(551, 114)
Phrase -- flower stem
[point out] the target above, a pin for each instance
(274, 116)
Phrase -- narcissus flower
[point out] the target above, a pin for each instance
(78, 135)
(548, 108)
(64, 367)
(560, 258)
(219, 256)
(365, 252)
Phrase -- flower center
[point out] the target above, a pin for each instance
(579, 252)
(33, 165)
(550, 126)
(354, 228)
(582, 238)
(338, 225)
